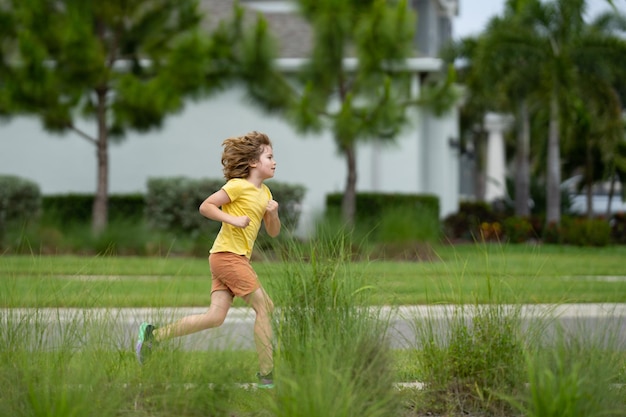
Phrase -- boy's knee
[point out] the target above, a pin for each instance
(215, 319)
(266, 307)
(218, 321)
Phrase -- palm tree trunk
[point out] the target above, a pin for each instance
(553, 169)
(522, 162)
(589, 178)
(480, 177)
(348, 205)
(611, 194)
(100, 202)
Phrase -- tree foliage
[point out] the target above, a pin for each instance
(564, 70)
(122, 65)
(355, 82)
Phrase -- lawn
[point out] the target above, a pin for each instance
(326, 364)
(460, 274)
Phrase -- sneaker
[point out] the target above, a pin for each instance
(265, 381)
(144, 342)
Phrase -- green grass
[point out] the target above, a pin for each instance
(331, 359)
(528, 274)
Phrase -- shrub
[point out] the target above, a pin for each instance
(586, 232)
(407, 224)
(77, 208)
(20, 201)
(172, 204)
(371, 207)
(472, 221)
(618, 228)
(579, 231)
(289, 197)
(61, 364)
(576, 374)
(490, 232)
(469, 356)
(471, 353)
(552, 233)
(517, 229)
(333, 358)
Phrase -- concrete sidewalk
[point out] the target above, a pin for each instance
(237, 330)
(239, 314)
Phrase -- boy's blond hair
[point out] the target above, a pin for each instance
(240, 151)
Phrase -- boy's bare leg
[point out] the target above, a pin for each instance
(263, 307)
(213, 317)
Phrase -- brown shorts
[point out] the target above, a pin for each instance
(233, 273)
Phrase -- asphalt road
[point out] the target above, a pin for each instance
(117, 327)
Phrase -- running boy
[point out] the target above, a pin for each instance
(245, 203)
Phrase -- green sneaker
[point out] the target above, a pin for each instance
(144, 342)
(265, 381)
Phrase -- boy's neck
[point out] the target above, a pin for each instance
(254, 180)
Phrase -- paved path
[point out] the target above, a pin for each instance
(236, 332)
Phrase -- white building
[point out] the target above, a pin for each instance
(424, 159)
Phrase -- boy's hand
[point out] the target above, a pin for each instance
(272, 207)
(271, 219)
(241, 221)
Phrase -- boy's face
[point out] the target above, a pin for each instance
(266, 165)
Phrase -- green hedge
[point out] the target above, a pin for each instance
(371, 206)
(467, 223)
(20, 200)
(394, 217)
(581, 231)
(172, 204)
(77, 208)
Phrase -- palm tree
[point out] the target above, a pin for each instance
(545, 51)
(511, 71)
(599, 107)
(500, 79)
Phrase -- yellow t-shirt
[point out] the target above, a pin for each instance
(245, 200)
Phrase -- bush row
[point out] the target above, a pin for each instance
(371, 206)
(77, 208)
(170, 204)
(479, 221)
(20, 200)
(393, 217)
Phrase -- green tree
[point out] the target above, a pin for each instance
(7, 31)
(595, 141)
(543, 53)
(596, 131)
(124, 65)
(481, 97)
(581, 60)
(511, 70)
(355, 82)
(495, 82)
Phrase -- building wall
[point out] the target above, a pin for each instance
(190, 145)
(434, 24)
(441, 159)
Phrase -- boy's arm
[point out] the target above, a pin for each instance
(210, 208)
(271, 219)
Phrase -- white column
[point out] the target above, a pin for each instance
(440, 159)
(496, 124)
